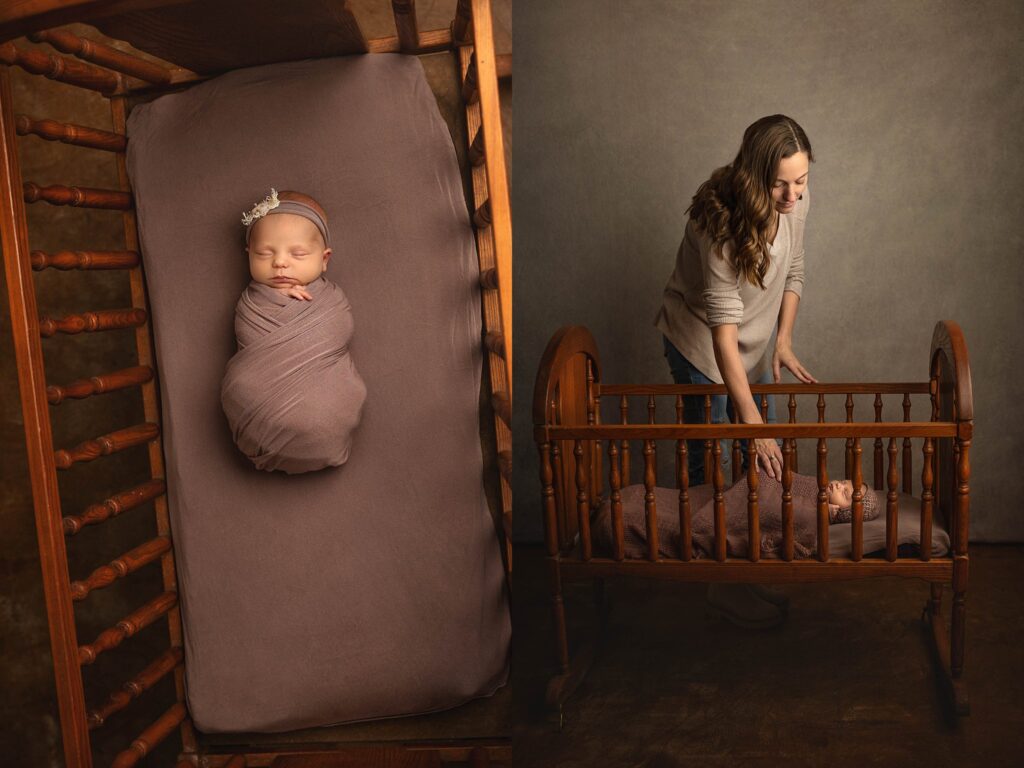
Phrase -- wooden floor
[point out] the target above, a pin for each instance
(847, 680)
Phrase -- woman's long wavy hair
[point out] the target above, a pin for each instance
(736, 202)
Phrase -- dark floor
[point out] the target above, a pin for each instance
(847, 680)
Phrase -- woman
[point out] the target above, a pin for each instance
(738, 277)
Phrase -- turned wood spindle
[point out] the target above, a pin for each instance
(104, 445)
(120, 567)
(823, 522)
(551, 544)
(908, 451)
(131, 690)
(849, 440)
(821, 408)
(593, 419)
(477, 152)
(65, 260)
(463, 22)
(764, 407)
(787, 499)
(404, 12)
(98, 385)
(719, 483)
(70, 133)
(879, 465)
(753, 512)
(651, 410)
(151, 737)
(615, 481)
(960, 562)
(105, 55)
(892, 506)
(708, 451)
(737, 458)
(792, 420)
(77, 197)
(63, 69)
(683, 473)
(857, 510)
(127, 627)
(582, 500)
(91, 322)
(624, 419)
(650, 501)
(489, 279)
(927, 498)
(115, 505)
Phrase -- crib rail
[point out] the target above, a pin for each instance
(117, 74)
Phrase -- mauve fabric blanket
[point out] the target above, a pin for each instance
(291, 394)
(805, 536)
(368, 590)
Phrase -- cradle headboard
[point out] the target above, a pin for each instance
(564, 394)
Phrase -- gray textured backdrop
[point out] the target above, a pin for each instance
(914, 111)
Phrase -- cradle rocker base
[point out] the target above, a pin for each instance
(954, 689)
(562, 686)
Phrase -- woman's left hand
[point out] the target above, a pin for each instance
(784, 358)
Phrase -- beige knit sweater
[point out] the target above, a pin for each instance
(705, 290)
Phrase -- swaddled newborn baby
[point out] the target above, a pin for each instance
(292, 395)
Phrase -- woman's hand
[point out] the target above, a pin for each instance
(784, 358)
(769, 457)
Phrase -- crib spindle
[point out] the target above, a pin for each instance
(70, 133)
(63, 69)
(879, 464)
(65, 260)
(114, 506)
(683, 474)
(151, 737)
(707, 443)
(470, 86)
(120, 567)
(719, 482)
(787, 499)
(593, 419)
(130, 625)
(551, 544)
(753, 511)
(849, 440)
(489, 279)
(908, 450)
(792, 420)
(823, 521)
(737, 458)
(77, 197)
(142, 682)
(624, 419)
(105, 55)
(927, 498)
(764, 407)
(404, 12)
(962, 517)
(582, 500)
(892, 506)
(857, 521)
(615, 500)
(462, 23)
(104, 445)
(90, 322)
(650, 500)
(821, 408)
(98, 385)
(651, 410)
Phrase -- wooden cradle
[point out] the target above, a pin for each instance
(124, 77)
(569, 434)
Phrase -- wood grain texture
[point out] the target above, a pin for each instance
(98, 385)
(104, 445)
(120, 567)
(65, 260)
(138, 619)
(115, 505)
(90, 322)
(63, 69)
(78, 197)
(105, 55)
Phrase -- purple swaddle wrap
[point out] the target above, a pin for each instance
(292, 395)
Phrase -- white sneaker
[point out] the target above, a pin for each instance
(740, 605)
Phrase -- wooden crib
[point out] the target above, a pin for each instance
(125, 77)
(573, 443)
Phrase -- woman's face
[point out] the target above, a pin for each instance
(790, 180)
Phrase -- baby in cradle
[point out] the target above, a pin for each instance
(291, 393)
(840, 501)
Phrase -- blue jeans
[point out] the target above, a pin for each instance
(684, 372)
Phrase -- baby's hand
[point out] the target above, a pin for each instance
(297, 292)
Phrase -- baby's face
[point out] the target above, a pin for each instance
(286, 250)
(840, 493)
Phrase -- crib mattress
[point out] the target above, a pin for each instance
(840, 542)
(370, 590)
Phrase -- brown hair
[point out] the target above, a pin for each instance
(736, 202)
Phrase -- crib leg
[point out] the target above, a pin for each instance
(949, 676)
(571, 670)
(601, 604)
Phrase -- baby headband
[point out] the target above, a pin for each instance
(271, 204)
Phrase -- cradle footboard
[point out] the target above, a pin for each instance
(579, 496)
(121, 76)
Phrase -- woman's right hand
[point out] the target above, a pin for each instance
(769, 456)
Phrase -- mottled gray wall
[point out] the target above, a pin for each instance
(914, 112)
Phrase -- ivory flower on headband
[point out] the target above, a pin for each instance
(262, 208)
